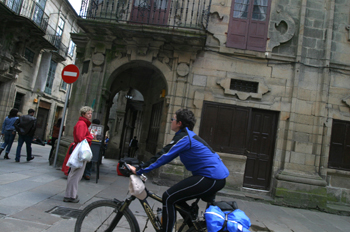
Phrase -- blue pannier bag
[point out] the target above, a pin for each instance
(231, 221)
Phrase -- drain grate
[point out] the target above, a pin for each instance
(65, 212)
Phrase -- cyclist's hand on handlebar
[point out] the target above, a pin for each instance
(132, 168)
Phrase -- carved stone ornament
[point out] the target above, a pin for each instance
(348, 28)
(262, 89)
(98, 58)
(182, 69)
(276, 36)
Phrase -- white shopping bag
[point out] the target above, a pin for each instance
(73, 160)
(85, 153)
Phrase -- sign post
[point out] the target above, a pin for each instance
(70, 74)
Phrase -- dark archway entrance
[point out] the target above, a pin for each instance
(136, 108)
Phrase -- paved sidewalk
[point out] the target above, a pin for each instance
(31, 195)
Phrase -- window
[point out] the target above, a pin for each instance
(50, 77)
(248, 24)
(14, 5)
(29, 55)
(244, 86)
(64, 85)
(339, 152)
(18, 101)
(71, 48)
(39, 11)
(59, 32)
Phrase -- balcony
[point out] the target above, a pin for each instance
(167, 13)
(175, 21)
(28, 9)
(30, 12)
(62, 50)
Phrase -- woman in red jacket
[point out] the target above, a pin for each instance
(80, 132)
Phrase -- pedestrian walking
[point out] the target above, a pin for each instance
(54, 137)
(80, 132)
(9, 132)
(25, 126)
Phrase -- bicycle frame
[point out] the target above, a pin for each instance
(151, 216)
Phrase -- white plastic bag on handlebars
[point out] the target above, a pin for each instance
(137, 187)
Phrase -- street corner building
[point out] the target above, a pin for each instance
(35, 45)
(267, 80)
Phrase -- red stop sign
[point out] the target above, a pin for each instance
(70, 73)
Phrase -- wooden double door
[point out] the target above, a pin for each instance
(245, 131)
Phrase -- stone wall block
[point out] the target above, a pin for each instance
(303, 107)
(303, 147)
(309, 159)
(301, 137)
(297, 158)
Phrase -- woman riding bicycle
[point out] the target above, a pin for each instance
(208, 171)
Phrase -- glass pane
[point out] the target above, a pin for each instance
(259, 10)
(38, 15)
(61, 23)
(241, 9)
(142, 3)
(64, 85)
(50, 77)
(41, 3)
(160, 4)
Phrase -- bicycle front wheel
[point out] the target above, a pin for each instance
(99, 215)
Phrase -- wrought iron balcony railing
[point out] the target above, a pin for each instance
(30, 10)
(170, 13)
(56, 41)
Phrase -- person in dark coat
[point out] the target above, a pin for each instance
(25, 126)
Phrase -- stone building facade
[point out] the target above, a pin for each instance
(35, 45)
(267, 80)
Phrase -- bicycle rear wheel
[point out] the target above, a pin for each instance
(99, 215)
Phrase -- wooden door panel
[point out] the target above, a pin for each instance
(239, 130)
(224, 128)
(260, 149)
(208, 123)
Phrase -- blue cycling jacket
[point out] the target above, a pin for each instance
(197, 156)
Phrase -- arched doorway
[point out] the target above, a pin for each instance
(136, 108)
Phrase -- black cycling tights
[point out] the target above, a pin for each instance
(187, 189)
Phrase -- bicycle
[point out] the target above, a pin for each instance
(118, 217)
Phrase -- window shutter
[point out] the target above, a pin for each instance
(248, 26)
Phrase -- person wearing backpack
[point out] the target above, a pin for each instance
(25, 126)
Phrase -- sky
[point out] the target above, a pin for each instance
(76, 5)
